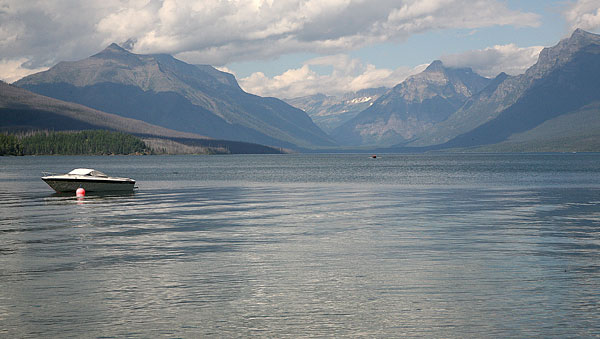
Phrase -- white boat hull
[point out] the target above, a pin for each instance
(88, 179)
(91, 185)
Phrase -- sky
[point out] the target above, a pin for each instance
(292, 48)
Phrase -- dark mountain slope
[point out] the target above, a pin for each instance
(22, 110)
(568, 88)
(578, 131)
(507, 91)
(131, 102)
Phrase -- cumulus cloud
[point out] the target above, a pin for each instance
(346, 75)
(45, 32)
(13, 70)
(584, 14)
(350, 75)
(218, 32)
(490, 61)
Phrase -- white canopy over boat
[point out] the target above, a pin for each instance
(87, 171)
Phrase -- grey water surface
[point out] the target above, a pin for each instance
(448, 245)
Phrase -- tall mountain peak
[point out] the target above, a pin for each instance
(168, 92)
(112, 49)
(115, 47)
(435, 66)
(580, 33)
(561, 53)
(116, 53)
(412, 106)
(579, 39)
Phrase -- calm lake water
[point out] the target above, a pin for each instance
(304, 246)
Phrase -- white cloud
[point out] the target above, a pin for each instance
(13, 70)
(584, 14)
(491, 61)
(419, 16)
(346, 75)
(350, 75)
(218, 32)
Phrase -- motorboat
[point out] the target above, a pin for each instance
(88, 179)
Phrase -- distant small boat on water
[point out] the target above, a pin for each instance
(374, 156)
(88, 179)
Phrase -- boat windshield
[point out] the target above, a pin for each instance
(87, 171)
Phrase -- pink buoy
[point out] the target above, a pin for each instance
(80, 192)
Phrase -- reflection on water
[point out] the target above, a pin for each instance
(90, 197)
(95, 195)
(185, 257)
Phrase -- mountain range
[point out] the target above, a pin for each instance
(162, 90)
(411, 107)
(329, 111)
(562, 87)
(553, 106)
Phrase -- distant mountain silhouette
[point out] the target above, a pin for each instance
(411, 107)
(164, 91)
(329, 112)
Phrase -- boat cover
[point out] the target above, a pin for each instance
(87, 171)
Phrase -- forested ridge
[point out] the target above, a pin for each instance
(96, 142)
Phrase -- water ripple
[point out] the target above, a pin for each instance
(274, 253)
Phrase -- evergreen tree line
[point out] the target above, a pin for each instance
(96, 142)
